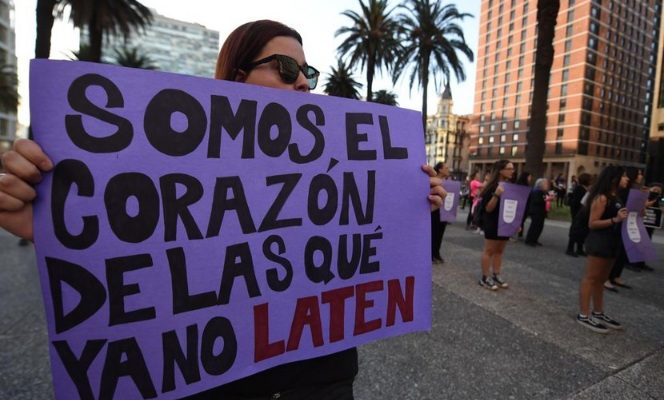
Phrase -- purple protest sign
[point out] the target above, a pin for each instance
(512, 206)
(448, 211)
(196, 231)
(638, 245)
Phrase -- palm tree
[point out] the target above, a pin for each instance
(431, 39)
(45, 19)
(104, 17)
(9, 97)
(385, 97)
(84, 53)
(547, 12)
(372, 39)
(341, 83)
(132, 58)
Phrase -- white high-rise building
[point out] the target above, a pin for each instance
(7, 58)
(171, 45)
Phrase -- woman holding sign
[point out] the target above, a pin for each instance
(494, 245)
(604, 241)
(265, 53)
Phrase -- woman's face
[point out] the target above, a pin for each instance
(507, 172)
(624, 181)
(268, 74)
(544, 186)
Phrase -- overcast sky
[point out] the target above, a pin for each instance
(316, 20)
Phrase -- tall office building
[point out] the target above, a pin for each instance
(171, 45)
(655, 167)
(8, 61)
(600, 91)
(447, 136)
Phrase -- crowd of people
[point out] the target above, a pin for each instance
(597, 210)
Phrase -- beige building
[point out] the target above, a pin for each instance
(7, 58)
(447, 137)
(655, 167)
(601, 85)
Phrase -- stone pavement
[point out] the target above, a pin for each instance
(517, 343)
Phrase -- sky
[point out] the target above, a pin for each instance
(315, 20)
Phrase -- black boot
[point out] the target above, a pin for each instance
(570, 248)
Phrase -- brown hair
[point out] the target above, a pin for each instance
(244, 44)
(491, 186)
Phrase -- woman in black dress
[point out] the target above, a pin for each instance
(494, 245)
(606, 213)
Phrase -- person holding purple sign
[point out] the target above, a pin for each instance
(537, 211)
(438, 226)
(607, 212)
(494, 245)
(265, 53)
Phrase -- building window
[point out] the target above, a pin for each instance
(491, 139)
(565, 75)
(559, 148)
(503, 138)
(563, 90)
(569, 30)
(515, 150)
(561, 118)
(559, 133)
(480, 140)
(517, 123)
(502, 150)
(515, 137)
(566, 60)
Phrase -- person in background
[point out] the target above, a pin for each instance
(494, 245)
(464, 196)
(654, 201)
(265, 53)
(578, 229)
(537, 211)
(560, 186)
(615, 277)
(438, 226)
(607, 211)
(526, 179)
(474, 189)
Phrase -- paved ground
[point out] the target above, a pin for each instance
(519, 343)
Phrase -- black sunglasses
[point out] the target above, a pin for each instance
(289, 69)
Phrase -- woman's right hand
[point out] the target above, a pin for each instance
(23, 165)
(622, 215)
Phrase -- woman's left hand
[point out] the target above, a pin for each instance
(436, 192)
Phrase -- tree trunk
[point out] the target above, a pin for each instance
(45, 19)
(96, 37)
(547, 12)
(371, 65)
(425, 90)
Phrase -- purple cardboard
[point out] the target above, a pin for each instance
(448, 211)
(636, 240)
(229, 226)
(512, 206)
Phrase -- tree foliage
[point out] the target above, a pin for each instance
(371, 41)
(341, 83)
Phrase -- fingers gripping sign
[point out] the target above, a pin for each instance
(436, 193)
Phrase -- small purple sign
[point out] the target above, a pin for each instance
(197, 231)
(638, 245)
(448, 211)
(512, 206)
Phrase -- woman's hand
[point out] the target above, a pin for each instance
(499, 190)
(24, 165)
(622, 215)
(436, 192)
